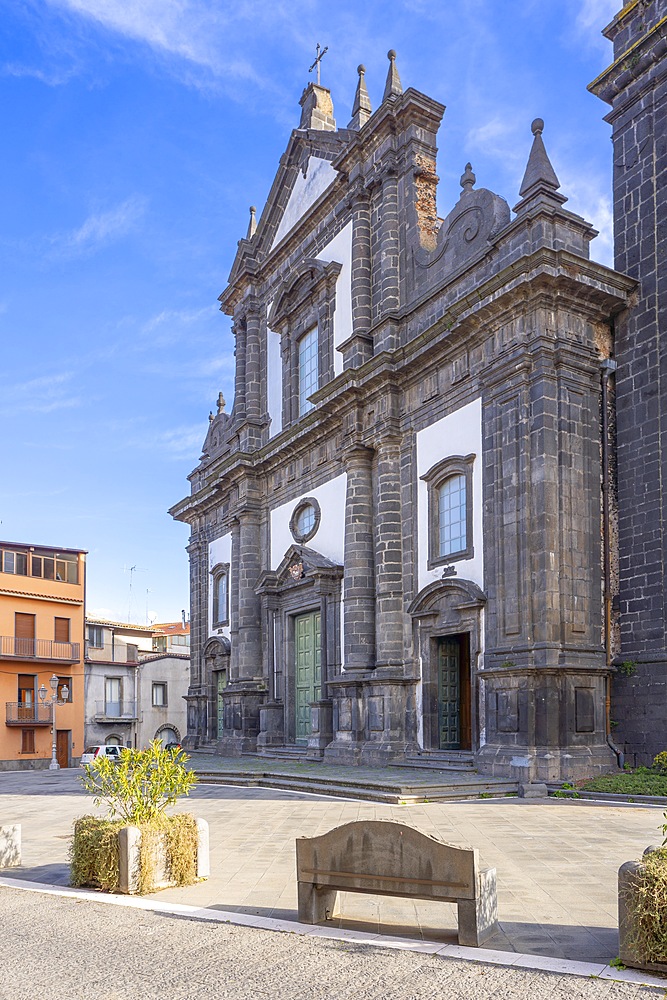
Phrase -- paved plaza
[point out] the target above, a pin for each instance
(556, 859)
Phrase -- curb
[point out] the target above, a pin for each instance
(485, 956)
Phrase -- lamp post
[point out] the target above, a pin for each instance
(54, 765)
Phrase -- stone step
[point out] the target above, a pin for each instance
(441, 760)
(374, 791)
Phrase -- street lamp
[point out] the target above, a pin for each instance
(54, 765)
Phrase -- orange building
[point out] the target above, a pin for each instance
(42, 596)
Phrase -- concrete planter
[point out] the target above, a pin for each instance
(130, 846)
(10, 846)
(628, 953)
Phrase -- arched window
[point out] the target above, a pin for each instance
(220, 595)
(450, 523)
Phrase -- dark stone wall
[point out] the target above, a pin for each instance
(636, 87)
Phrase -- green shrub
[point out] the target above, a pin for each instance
(138, 788)
(660, 762)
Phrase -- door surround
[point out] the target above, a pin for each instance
(445, 609)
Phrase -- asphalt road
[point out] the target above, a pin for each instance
(58, 948)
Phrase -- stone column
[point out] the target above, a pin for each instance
(253, 373)
(198, 553)
(359, 568)
(386, 336)
(359, 347)
(249, 632)
(389, 555)
(239, 330)
(246, 690)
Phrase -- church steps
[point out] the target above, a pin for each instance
(466, 787)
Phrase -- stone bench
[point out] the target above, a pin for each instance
(10, 846)
(390, 859)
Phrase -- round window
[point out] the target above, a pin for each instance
(305, 520)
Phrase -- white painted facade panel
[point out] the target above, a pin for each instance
(459, 433)
(219, 551)
(340, 250)
(319, 175)
(330, 537)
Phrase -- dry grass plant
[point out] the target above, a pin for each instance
(646, 902)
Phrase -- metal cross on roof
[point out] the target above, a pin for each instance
(318, 60)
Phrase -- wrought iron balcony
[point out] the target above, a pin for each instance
(115, 711)
(38, 649)
(20, 714)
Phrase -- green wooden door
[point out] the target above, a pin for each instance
(308, 670)
(222, 684)
(449, 693)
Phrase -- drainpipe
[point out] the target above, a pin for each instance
(608, 366)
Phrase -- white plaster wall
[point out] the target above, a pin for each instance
(175, 672)
(330, 537)
(319, 175)
(459, 433)
(340, 250)
(274, 379)
(219, 551)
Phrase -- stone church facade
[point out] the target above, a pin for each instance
(404, 535)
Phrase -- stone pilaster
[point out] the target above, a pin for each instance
(359, 347)
(390, 641)
(239, 331)
(386, 334)
(196, 697)
(359, 578)
(246, 691)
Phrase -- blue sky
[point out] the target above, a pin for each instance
(136, 133)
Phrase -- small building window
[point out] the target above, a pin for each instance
(305, 520)
(113, 696)
(450, 510)
(64, 682)
(96, 636)
(308, 370)
(27, 741)
(220, 595)
(159, 694)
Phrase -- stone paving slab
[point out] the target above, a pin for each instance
(556, 860)
(133, 953)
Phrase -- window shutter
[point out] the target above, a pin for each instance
(62, 630)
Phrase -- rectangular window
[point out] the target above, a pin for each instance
(26, 697)
(160, 643)
(36, 566)
(96, 636)
(49, 568)
(27, 741)
(159, 694)
(64, 682)
(112, 697)
(21, 563)
(452, 515)
(221, 598)
(24, 633)
(8, 562)
(308, 370)
(62, 629)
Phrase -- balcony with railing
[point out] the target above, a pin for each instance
(115, 711)
(20, 714)
(14, 648)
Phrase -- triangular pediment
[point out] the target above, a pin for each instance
(304, 175)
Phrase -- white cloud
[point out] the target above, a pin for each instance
(52, 79)
(40, 395)
(182, 442)
(188, 29)
(99, 229)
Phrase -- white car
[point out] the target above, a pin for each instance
(93, 753)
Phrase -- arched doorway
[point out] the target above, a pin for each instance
(448, 622)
